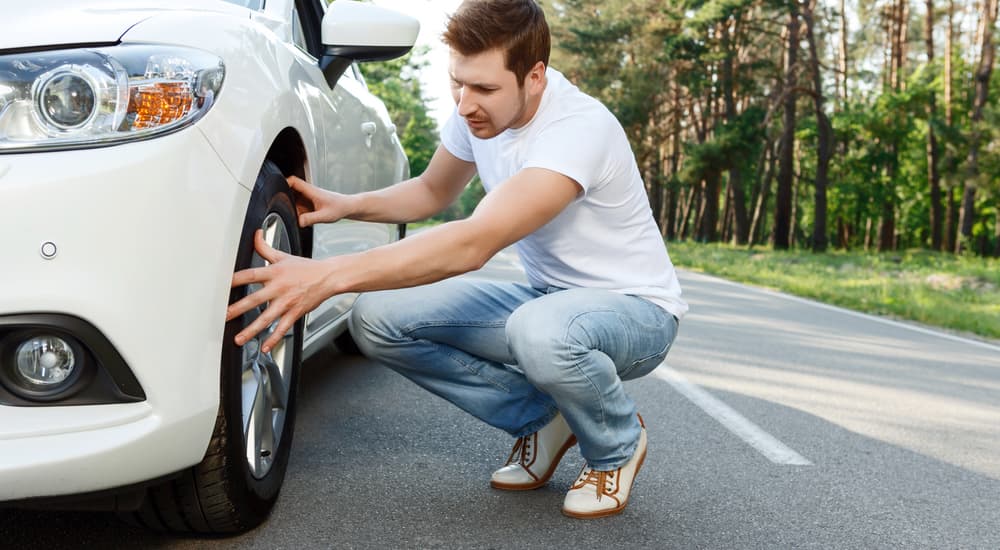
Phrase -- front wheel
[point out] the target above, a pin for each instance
(235, 486)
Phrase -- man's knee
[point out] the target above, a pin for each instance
(370, 321)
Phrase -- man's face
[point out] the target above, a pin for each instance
(488, 95)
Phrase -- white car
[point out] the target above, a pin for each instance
(141, 144)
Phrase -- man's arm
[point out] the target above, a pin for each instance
(414, 199)
(294, 286)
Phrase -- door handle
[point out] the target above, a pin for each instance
(368, 129)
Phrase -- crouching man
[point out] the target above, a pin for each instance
(543, 361)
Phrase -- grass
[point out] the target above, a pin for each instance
(954, 292)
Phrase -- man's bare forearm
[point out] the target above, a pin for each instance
(417, 198)
(407, 201)
(432, 255)
(501, 219)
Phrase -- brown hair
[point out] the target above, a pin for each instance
(516, 26)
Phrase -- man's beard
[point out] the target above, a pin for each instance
(497, 130)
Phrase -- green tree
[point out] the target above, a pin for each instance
(729, 107)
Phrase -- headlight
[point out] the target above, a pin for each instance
(99, 96)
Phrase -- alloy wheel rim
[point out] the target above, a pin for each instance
(266, 377)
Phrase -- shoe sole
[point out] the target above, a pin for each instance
(612, 511)
(542, 480)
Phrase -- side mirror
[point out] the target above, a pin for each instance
(357, 31)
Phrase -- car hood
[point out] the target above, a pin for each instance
(47, 23)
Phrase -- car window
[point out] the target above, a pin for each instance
(356, 72)
(307, 21)
(252, 4)
(298, 34)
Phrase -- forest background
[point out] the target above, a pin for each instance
(864, 133)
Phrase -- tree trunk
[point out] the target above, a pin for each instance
(727, 216)
(897, 23)
(951, 210)
(887, 227)
(824, 137)
(933, 177)
(760, 211)
(868, 233)
(843, 233)
(951, 207)
(736, 195)
(708, 215)
(794, 225)
(901, 42)
(673, 191)
(843, 51)
(967, 214)
(783, 202)
(705, 229)
(683, 220)
(996, 231)
(741, 223)
(667, 224)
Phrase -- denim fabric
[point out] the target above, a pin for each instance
(512, 355)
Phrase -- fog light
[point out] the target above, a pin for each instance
(38, 364)
(45, 361)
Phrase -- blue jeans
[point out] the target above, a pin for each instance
(513, 356)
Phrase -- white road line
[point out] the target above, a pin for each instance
(765, 443)
(922, 330)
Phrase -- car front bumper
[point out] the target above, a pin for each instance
(145, 235)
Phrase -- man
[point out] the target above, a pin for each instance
(543, 361)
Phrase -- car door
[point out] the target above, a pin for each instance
(357, 155)
(389, 160)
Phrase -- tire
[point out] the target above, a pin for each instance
(237, 483)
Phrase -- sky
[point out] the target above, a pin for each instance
(432, 15)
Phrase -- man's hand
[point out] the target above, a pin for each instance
(315, 205)
(292, 287)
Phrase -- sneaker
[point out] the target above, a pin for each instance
(535, 457)
(596, 494)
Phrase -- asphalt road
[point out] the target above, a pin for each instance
(775, 423)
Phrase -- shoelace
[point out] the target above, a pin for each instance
(603, 482)
(522, 450)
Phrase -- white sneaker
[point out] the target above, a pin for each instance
(535, 457)
(596, 494)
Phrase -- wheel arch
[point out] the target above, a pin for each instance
(288, 153)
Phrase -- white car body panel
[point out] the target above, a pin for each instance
(95, 276)
(55, 22)
(147, 232)
(250, 111)
(241, 128)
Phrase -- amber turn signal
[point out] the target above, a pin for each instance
(159, 104)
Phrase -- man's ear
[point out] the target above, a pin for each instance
(534, 81)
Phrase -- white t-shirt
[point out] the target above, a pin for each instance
(606, 238)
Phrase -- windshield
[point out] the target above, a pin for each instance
(252, 4)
